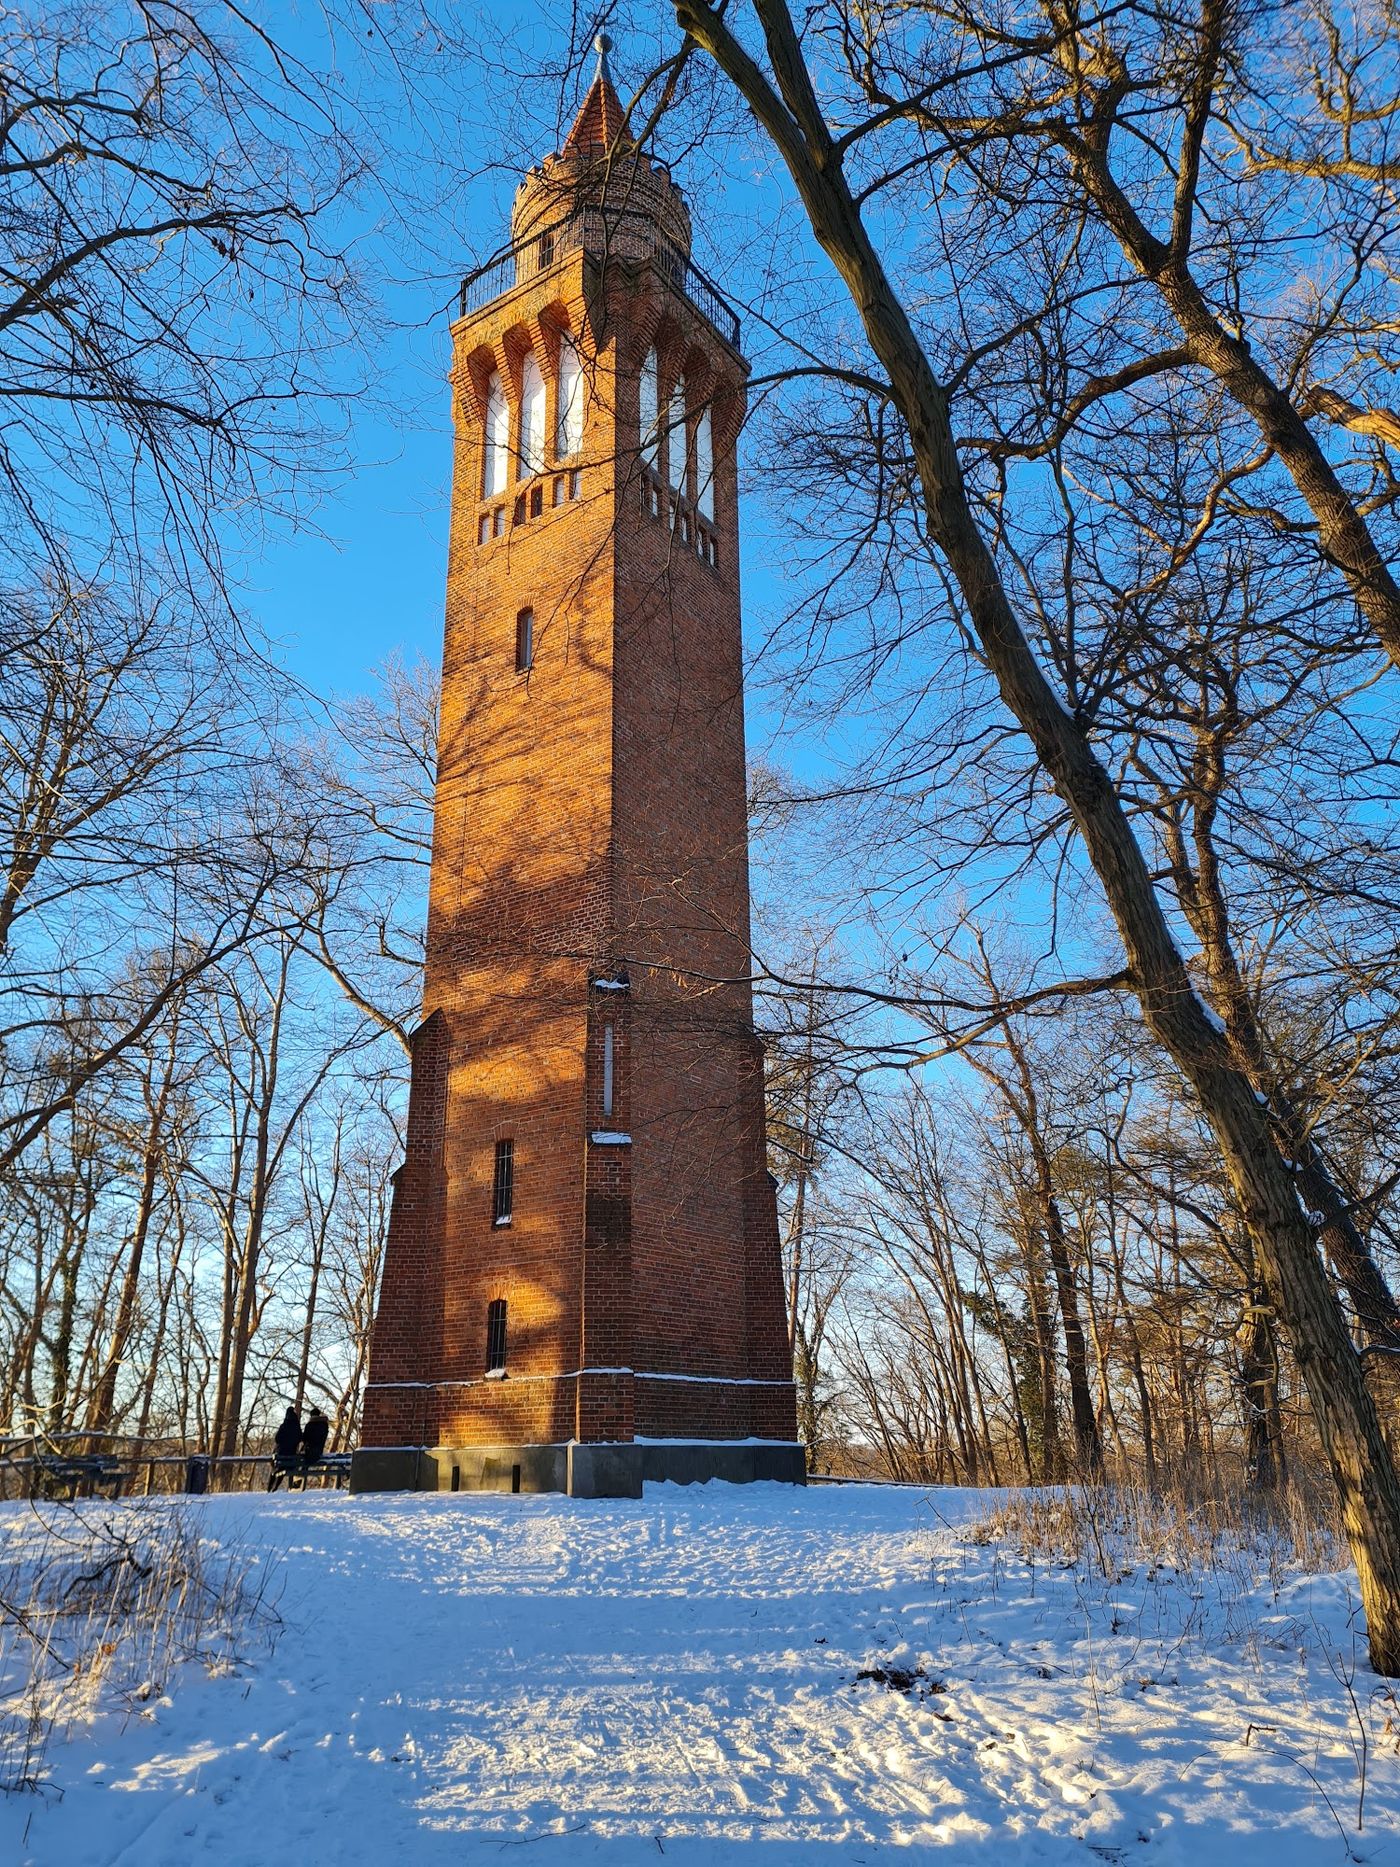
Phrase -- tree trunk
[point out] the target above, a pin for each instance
(1201, 889)
(102, 1406)
(1026, 1109)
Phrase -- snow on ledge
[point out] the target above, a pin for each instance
(642, 1440)
(609, 1137)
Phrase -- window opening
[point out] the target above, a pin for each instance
(537, 499)
(531, 418)
(568, 439)
(647, 395)
(524, 653)
(498, 522)
(559, 490)
(705, 464)
(493, 473)
(496, 1336)
(546, 250)
(607, 1069)
(503, 1186)
(675, 436)
(575, 483)
(483, 528)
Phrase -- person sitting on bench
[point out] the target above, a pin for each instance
(286, 1444)
(314, 1436)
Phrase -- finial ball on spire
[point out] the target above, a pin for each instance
(603, 43)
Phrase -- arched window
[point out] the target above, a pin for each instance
(531, 418)
(493, 471)
(568, 439)
(648, 409)
(675, 436)
(496, 1336)
(705, 465)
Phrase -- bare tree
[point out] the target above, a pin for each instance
(782, 94)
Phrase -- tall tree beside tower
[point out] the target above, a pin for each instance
(778, 84)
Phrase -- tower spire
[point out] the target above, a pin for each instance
(601, 122)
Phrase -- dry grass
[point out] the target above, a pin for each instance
(1185, 1527)
(101, 1605)
(1210, 1559)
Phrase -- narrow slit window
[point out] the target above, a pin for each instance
(524, 661)
(607, 1069)
(537, 499)
(675, 436)
(496, 1336)
(647, 397)
(705, 465)
(503, 1186)
(531, 418)
(497, 450)
(569, 436)
(546, 250)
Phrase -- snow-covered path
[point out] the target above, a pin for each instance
(516, 1679)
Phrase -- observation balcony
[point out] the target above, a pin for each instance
(603, 235)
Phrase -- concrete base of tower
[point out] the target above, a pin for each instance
(581, 1469)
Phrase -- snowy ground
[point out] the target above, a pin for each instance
(514, 1679)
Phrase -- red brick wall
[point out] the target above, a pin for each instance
(590, 817)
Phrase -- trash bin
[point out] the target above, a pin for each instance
(197, 1474)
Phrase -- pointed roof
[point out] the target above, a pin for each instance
(601, 121)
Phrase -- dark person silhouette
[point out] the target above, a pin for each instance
(285, 1444)
(288, 1436)
(314, 1436)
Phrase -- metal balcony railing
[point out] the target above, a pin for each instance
(603, 235)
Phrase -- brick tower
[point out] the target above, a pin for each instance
(582, 1286)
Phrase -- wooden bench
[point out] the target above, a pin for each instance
(59, 1474)
(297, 1470)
